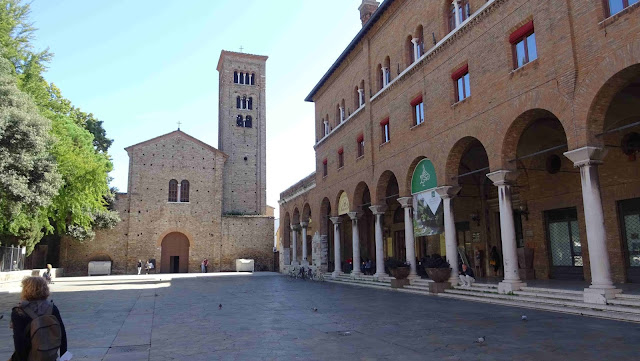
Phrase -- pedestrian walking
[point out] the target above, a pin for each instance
(139, 266)
(47, 274)
(202, 266)
(36, 310)
(206, 265)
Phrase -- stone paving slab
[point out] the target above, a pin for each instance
(270, 317)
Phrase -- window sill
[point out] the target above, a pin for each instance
(324, 176)
(613, 18)
(178, 202)
(533, 63)
(416, 126)
(456, 104)
(340, 168)
(360, 158)
(385, 143)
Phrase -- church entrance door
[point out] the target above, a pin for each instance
(175, 253)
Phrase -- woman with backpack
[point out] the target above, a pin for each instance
(38, 331)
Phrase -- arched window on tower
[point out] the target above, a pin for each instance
(250, 104)
(239, 121)
(253, 78)
(241, 78)
(247, 79)
(184, 191)
(244, 102)
(235, 77)
(173, 190)
(248, 123)
(238, 102)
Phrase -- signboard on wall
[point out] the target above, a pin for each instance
(343, 204)
(428, 214)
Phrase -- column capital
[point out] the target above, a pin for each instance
(304, 224)
(378, 209)
(335, 220)
(406, 202)
(503, 177)
(295, 227)
(446, 192)
(415, 41)
(586, 156)
(354, 215)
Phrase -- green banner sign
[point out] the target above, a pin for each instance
(424, 177)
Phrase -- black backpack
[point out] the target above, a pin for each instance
(45, 334)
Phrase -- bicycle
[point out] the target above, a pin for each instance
(318, 276)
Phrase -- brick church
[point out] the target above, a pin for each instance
(187, 200)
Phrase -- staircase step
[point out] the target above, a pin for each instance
(417, 287)
(477, 289)
(547, 301)
(557, 296)
(624, 302)
(620, 316)
(362, 284)
(628, 296)
(551, 290)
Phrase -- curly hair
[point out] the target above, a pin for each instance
(34, 289)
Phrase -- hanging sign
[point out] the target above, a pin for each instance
(424, 177)
(428, 216)
(343, 204)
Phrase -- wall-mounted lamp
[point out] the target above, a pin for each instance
(476, 218)
(524, 210)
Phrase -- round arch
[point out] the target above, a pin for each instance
(381, 187)
(174, 257)
(306, 213)
(174, 230)
(455, 156)
(361, 190)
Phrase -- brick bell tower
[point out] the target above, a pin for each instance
(242, 131)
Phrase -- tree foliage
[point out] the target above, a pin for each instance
(54, 163)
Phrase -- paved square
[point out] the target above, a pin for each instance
(270, 317)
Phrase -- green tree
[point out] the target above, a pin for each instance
(28, 175)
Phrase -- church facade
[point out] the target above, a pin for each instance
(188, 201)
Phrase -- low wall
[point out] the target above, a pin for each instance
(11, 279)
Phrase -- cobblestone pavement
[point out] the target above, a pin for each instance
(270, 317)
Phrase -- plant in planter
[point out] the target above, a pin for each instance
(437, 268)
(398, 269)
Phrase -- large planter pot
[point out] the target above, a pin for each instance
(400, 273)
(439, 274)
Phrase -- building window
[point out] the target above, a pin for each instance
(247, 78)
(244, 102)
(184, 191)
(239, 121)
(241, 78)
(324, 168)
(238, 102)
(340, 158)
(235, 77)
(459, 11)
(418, 110)
(253, 78)
(384, 127)
(616, 6)
(461, 79)
(248, 122)
(524, 45)
(360, 142)
(250, 103)
(326, 127)
(173, 190)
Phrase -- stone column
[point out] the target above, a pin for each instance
(457, 12)
(294, 246)
(416, 49)
(602, 288)
(450, 238)
(355, 236)
(304, 226)
(409, 240)
(361, 97)
(337, 270)
(378, 211)
(503, 180)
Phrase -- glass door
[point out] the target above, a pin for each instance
(629, 211)
(565, 247)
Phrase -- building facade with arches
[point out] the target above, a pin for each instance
(187, 200)
(526, 113)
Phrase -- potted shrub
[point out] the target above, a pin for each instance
(398, 269)
(437, 268)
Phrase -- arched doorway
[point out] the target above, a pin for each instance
(175, 253)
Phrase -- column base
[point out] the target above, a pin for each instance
(454, 281)
(380, 275)
(600, 295)
(355, 274)
(335, 274)
(414, 277)
(305, 263)
(510, 286)
(295, 263)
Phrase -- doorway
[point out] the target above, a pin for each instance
(563, 234)
(629, 211)
(175, 253)
(174, 262)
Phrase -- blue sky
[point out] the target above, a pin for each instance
(141, 66)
